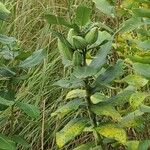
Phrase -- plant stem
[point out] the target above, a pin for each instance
(92, 116)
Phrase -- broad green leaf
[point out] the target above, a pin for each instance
(142, 69)
(102, 36)
(69, 107)
(144, 108)
(110, 74)
(135, 80)
(112, 131)
(4, 12)
(84, 72)
(141, 12)
(106, 110)
(98, 97)
(140, 59)
(7, 40)
(144, 145)
(132, 145)
(6, 102)
(7, 97)
(21, 141)
(86, 146)
(29, 109)
(137, 98)
(6, 72)
(52, 19)
(35, 59)
(130, 24)
(83, 15)
(131, 119)
(145, 45)
(76, 93)
(70, 83)
(105, 7)
(120, 98)
(100, 58)
(70, 131)
(6, 143)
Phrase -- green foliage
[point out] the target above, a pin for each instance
(70, 131)
(91, 75)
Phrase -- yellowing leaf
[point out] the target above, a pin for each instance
(98, 97)
(70, 131)
(137, 98)
(135, 80)
(112, 131)
(76, 93)
(69, 107)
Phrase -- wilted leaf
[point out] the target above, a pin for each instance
(83, 15)
(35, 59)
(76, 93)
(69, 107)
(29, 109)
(112, 131)
(70, 131)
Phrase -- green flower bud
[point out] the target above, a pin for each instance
(92, 35)
(77, 58)
(79, 42)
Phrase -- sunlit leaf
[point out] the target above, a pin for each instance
(98, 97)
(142, 69)
(106, 110)
(69, 107)
(83, 15)
(112, 131)
(76, 93)
(135, 80)
(137, 98)
(105, 7)
(132, 145)
(70, 131)
(29, 109)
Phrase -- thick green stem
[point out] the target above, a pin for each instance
(92, 116)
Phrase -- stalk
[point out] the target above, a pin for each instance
(92, 116)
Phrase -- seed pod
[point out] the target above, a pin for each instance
(92, 36)
(79, 42)
(65, 51)
(77, 58)
(71, 33)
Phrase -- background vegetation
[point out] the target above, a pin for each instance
(27, 24)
